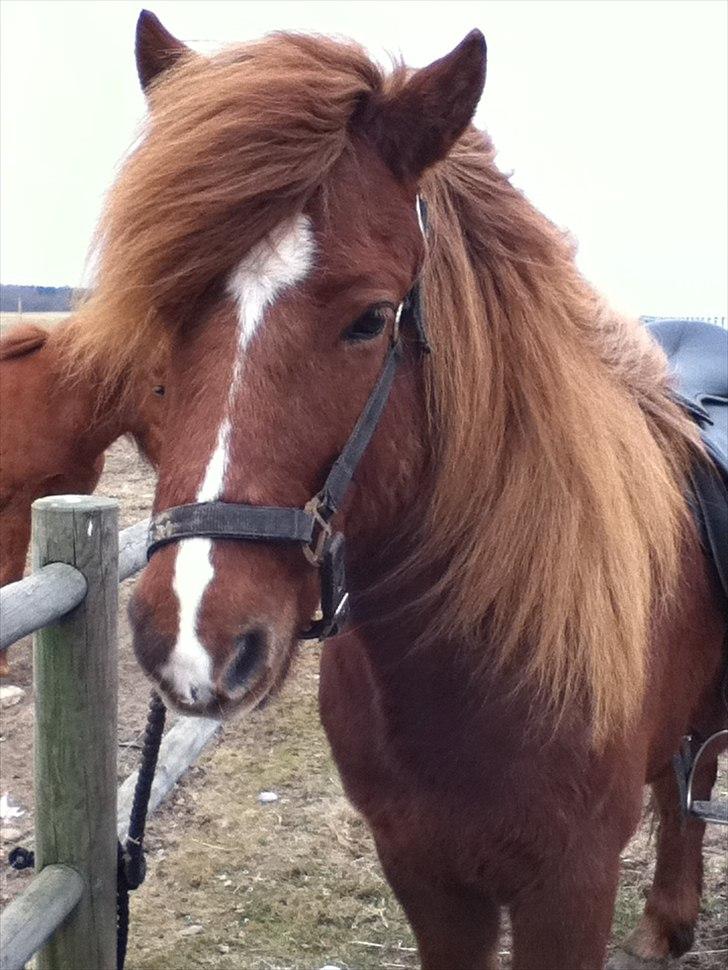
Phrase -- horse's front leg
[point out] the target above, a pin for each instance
(668, 924)
(562, 920)
(456, 928)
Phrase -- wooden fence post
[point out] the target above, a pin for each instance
(75, 674)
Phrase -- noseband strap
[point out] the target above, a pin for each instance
(223, 520)
(311, 525)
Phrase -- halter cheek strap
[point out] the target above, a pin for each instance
(311, 525)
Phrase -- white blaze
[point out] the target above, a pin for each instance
(276, 263)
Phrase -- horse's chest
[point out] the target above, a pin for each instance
(424, 773)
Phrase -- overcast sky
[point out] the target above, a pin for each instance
(612, 116)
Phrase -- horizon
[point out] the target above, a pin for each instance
(715, 318)
(612, 117)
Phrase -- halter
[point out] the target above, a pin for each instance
(311, 525)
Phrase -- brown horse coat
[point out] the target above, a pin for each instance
(534, 624)
(54, 431)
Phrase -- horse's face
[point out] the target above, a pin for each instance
(262, 392)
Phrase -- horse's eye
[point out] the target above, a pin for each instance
(158, 389)
(370, 324)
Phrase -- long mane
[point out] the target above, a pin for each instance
(564, 526)
(557, 505)
(231, 146)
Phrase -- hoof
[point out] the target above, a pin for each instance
(622, 960)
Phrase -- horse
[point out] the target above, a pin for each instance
(54, 431)
(362, 308)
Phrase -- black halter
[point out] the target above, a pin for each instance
(311, 525)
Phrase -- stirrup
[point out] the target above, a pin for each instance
(685, 764)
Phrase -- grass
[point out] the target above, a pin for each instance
(292, 884)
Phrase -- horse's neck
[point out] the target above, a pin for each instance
(442, 696)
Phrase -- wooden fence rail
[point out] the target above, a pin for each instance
(33, 918)
(38, 600)
(67, 915)
(51, 592)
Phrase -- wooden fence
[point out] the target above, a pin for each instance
(68, 912)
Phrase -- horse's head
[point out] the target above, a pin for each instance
(269, 377)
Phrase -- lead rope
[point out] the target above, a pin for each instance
(131, 864)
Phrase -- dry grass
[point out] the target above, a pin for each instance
(292, 884)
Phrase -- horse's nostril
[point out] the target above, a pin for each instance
(249, 655)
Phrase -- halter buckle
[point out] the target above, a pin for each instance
(315, 549)
(334, 610)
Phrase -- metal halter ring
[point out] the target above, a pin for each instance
(314, 550)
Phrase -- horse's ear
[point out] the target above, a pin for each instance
(418, 125)
(155, 49)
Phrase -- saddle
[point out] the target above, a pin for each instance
(698, 356)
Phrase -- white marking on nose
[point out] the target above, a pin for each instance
(272, 266)
(189, 667)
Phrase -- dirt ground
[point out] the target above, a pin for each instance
(235, 884)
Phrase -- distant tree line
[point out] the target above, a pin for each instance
(36, 299)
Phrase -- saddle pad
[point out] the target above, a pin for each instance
(698, 356)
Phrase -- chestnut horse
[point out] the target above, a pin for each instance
(533, 622)
(54, 431)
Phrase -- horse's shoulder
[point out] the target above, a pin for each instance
(22, 340)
